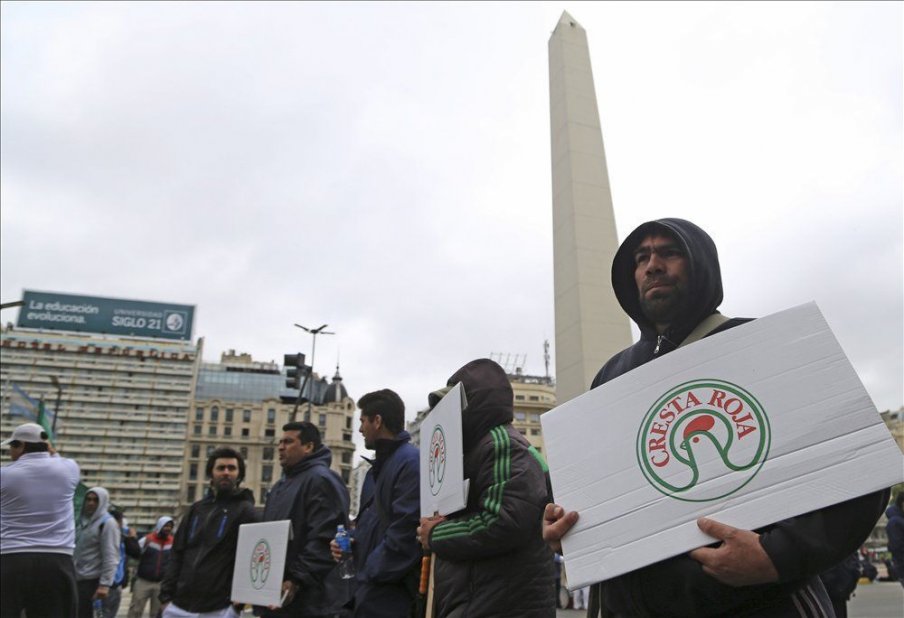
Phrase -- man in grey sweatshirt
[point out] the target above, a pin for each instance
(96, 550)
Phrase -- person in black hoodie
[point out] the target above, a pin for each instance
(490, 558)
(666, 277)
(199, 574)
(314, 498)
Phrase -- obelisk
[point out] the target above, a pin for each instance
(590, 325)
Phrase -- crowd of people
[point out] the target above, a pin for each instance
(493, 558)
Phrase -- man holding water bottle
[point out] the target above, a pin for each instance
(386, 553)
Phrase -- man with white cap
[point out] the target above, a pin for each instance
(37, 529)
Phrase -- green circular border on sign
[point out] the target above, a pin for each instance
(754, 406)
(263, 579)
(439, 479)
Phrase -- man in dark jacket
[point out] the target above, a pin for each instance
(316, 501)
(490, 557)
(199, 575)
(385, 549)
(895, 530)
(153, 557)
(666, 277)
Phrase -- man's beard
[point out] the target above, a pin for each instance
(664, 306)
(224, 485)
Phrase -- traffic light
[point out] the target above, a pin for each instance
(295, 370)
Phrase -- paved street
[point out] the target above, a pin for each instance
(876, 600)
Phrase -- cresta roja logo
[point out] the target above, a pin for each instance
(703, 440)
(436, 462)
(260, 564)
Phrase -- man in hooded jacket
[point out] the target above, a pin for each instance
(96, 555)
(490, 557)
(666, 277)
(153, 557)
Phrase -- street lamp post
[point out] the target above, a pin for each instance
(314, 331)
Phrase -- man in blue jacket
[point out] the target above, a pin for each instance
(386, 551)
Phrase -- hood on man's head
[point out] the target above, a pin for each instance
(162, 522)
(489, 396)
(103, 502)
(704, 273)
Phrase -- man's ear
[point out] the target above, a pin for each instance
(378, 421)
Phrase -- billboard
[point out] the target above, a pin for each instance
(111, 316)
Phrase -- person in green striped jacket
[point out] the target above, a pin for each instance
(490, 557)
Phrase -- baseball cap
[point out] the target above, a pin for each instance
(29, 432)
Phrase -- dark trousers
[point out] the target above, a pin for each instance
(42, 584)
(86, 590)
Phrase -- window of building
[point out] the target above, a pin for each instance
(246, 416)
(229, 413)
(321, 420)
(212, 430)
(347, 436)
(522, 432)
(214, 414)
(519, 397)
(244, 451)
(191, 493)
(266, 473)
(348, 422)
(210, 449)
(227, 430)
(193, 472)
(535, 432)
(345, 476)
(196, 450)
(199, 414)
(520, 416)
(197, 430)
(245, 432)
(346, 457)
(268, 453)
(534, 398)
(269, 433)
(271, 416)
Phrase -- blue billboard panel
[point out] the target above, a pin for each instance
(111, 316)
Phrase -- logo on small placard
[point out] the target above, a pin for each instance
(437, 460)
(260, 564)
(703, 440)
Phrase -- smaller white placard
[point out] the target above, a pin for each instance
(443, 487)
(260, 560)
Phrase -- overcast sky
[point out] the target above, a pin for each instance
(385, 168)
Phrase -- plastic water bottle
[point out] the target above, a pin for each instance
(98, 608)
(346, 564)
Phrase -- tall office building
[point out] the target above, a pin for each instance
(119, 375)
(243, 404)
(590, 325)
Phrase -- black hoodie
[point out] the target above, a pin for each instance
(491, 558)
(800, 547)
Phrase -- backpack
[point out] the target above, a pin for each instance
(841, 580)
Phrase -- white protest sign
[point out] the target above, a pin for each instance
(260, 560)
(750, 426)
(443, 488)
